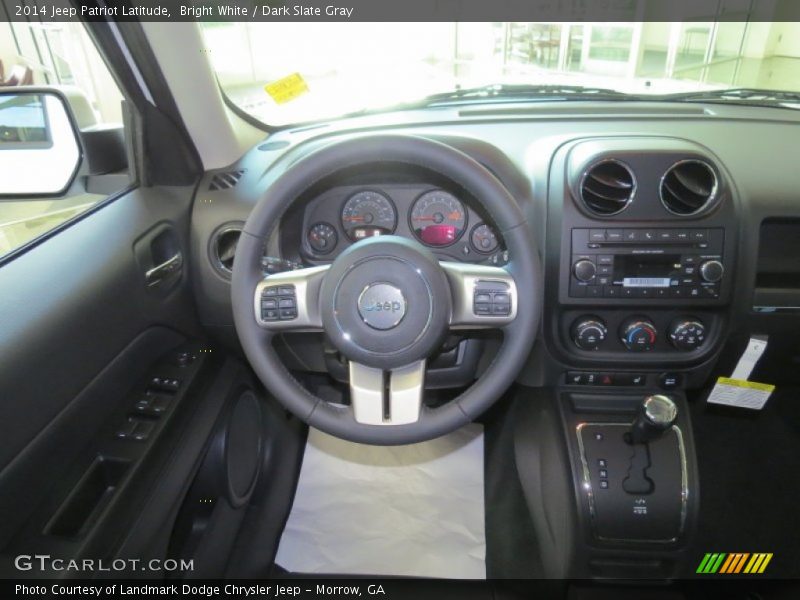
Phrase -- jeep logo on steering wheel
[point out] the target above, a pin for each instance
(382, 305)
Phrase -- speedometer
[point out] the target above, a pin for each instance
(438, 218)
(368, 213)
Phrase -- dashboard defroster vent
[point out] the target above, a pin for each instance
(225, 181)
(607, 187)
(688, 187)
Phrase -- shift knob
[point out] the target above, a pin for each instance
(656, 414)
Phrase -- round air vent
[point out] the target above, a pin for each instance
(607, 187)
(223, 248)
(688, 187)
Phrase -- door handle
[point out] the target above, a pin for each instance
(163, 271)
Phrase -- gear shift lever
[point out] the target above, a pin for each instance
(656, 415)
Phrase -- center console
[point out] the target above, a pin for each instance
(640, 251)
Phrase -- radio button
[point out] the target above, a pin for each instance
(597, 235)
(632, 235)
(584, 270)
(604, 270)
(712, 271)
(677, 292)
(594, 291)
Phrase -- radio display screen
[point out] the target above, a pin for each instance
(652, 270)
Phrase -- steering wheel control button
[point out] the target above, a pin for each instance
(589, 332)
(638, 334)
(491, 298)
(382, 306)
(278, 303)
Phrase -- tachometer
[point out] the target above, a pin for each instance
(368, 213)
(438, 218)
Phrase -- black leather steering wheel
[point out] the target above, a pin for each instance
(386, 303)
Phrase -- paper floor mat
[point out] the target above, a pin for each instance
(413, 510)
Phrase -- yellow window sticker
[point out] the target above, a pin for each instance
(286, 89)
(740, 393)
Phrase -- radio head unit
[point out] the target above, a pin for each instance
(679, 264)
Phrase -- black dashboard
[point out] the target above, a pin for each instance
(648, 218)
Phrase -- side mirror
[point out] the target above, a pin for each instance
(39, 149)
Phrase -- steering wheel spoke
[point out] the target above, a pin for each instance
(289, 301)
(383, 397)
(483, 296)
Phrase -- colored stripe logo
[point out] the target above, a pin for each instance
(734, 563)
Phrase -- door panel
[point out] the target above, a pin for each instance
(78, 327)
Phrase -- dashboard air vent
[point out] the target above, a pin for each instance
(607, 187)
(688, 187)
(225, 181)
(224, 248)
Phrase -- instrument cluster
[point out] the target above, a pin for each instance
(434, 216)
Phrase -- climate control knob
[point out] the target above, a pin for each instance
(712, 271)
(638, 334)
(687, 333)
(584, 270)
(589, 332)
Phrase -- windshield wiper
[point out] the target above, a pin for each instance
(738, 95)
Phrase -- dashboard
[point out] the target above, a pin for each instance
(648, 219)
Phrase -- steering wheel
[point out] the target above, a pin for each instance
(386, 303)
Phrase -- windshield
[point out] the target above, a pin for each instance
(284, 73)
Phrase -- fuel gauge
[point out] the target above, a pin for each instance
(322, 238)
(484, 239)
